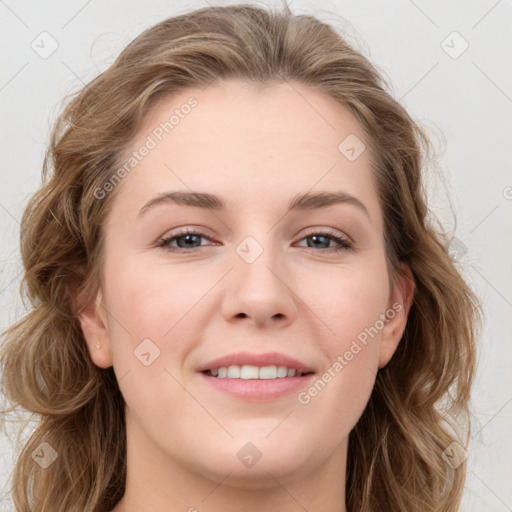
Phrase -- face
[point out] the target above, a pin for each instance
(253, 277)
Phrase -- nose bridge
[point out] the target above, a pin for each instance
(257, 264)
(258, 282)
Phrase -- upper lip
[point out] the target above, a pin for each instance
(253, 359)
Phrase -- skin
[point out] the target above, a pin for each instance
(256, 149)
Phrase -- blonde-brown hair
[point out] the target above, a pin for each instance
(395, 460)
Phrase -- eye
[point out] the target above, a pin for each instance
(187, 240)
(325, 237)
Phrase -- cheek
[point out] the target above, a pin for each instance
(340, 393)
(352, 300)
(151, 301)
(353, 306)
(147, 327)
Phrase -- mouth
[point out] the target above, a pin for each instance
(247, 372)
(254, 377)
(250, 365)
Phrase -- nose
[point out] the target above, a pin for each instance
(260, 292)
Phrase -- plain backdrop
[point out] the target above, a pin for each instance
(448, 63)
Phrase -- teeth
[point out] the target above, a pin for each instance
(233, 372)
(249, 372)
(269, 372)
(254, 372)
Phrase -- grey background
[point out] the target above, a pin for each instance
(464, 101)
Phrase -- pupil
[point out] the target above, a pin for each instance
(316, 237)
(188, 239)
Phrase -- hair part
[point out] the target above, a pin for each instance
(420, 402)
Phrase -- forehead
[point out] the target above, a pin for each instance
(276, 115)
(235, 139)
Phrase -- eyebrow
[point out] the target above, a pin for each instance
(307, 201)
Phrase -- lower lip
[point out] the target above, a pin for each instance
(258, 389)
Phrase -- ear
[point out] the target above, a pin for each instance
(93, 320)
(399, 305)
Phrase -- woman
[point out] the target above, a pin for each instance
(315, 350)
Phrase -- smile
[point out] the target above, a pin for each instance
(254, 372)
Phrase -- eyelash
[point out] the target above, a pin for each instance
(345, 245)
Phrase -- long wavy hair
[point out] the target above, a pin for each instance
(420, 402)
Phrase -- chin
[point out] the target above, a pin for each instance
(250, 464)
